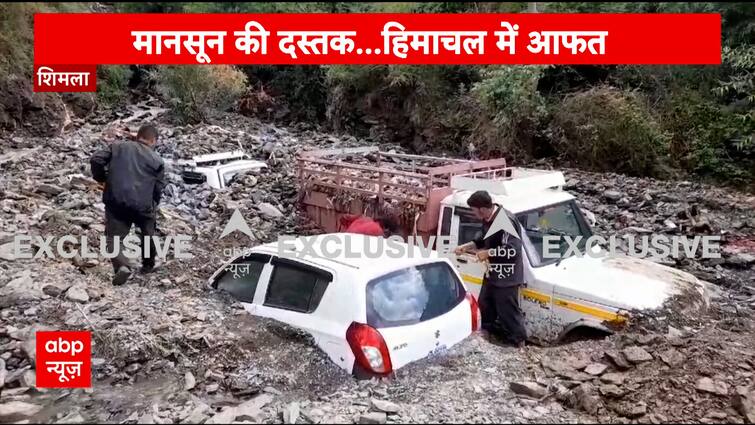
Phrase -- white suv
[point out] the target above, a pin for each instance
(371, 316)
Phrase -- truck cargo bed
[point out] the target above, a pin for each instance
(334, 182)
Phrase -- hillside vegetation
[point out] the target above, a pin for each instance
(660, 121)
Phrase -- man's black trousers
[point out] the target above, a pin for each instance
(118, 223)
(501, 314)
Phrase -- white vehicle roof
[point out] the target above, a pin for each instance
(526, 189)
(357, 254)
(235, 165)
(221, 156)
(518, 204)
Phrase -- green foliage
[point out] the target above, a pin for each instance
(607, 129)
(510, 93)
(195, 91)
(112, 83)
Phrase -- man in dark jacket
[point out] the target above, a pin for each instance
(134, 177)
(499, 296)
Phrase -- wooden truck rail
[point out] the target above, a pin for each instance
(412, 184)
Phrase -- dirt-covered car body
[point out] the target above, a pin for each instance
(370, 314)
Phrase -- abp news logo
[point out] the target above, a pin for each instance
(64, 359)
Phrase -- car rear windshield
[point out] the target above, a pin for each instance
(413, 295)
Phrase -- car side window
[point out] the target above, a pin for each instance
(240, 278)
(470, 228)
(297, 287)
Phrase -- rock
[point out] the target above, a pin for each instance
(672, 357)
(648, 339)
(708, 385)
(212, 388)
(291, 413)
(189, 381)
(77, 294)
(81, 104)
(269, 210)
(740, 260)
(612, 391)
(41, 114)
(7, 252)
(271, 390)
(636, 355)
(71, 418)
(613, 378)
(198, 415)
(133, 368)
(617, 359)
(249, 410)
(612, 195)
(19, 290)
(529, 389)
(17, 410)
(744, 402)
(29, 348)
(373, 418)
(633, 411)
(49, 189)
(385, 406)
(314, 415)
(595, 369)
(28, 379)
(3, 373)
(584, 397)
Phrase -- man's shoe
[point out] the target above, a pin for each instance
(121, 276)
(149, 268)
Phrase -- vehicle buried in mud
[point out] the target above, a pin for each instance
(563, 296)
(369, 312)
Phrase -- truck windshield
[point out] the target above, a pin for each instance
(564, 220)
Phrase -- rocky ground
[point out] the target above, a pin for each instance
(168, 350)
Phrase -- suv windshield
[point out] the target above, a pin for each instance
(563, 219)
(413, 295)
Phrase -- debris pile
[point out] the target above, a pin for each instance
(168, 350)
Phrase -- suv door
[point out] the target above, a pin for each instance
(419, 311)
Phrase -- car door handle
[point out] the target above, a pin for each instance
(462, 260)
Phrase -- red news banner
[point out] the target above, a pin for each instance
(95, 39)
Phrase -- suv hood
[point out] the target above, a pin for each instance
(624, 282)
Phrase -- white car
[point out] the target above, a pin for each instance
(219, 169)
(371, 316)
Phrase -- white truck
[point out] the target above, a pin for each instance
(561, 296)
(218, 170)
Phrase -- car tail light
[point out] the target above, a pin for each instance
(475, 312)
(369, 348)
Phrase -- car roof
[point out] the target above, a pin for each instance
(368, 256)
(515, 204)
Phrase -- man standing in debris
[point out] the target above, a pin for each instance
(502, 251)
(134, 177)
